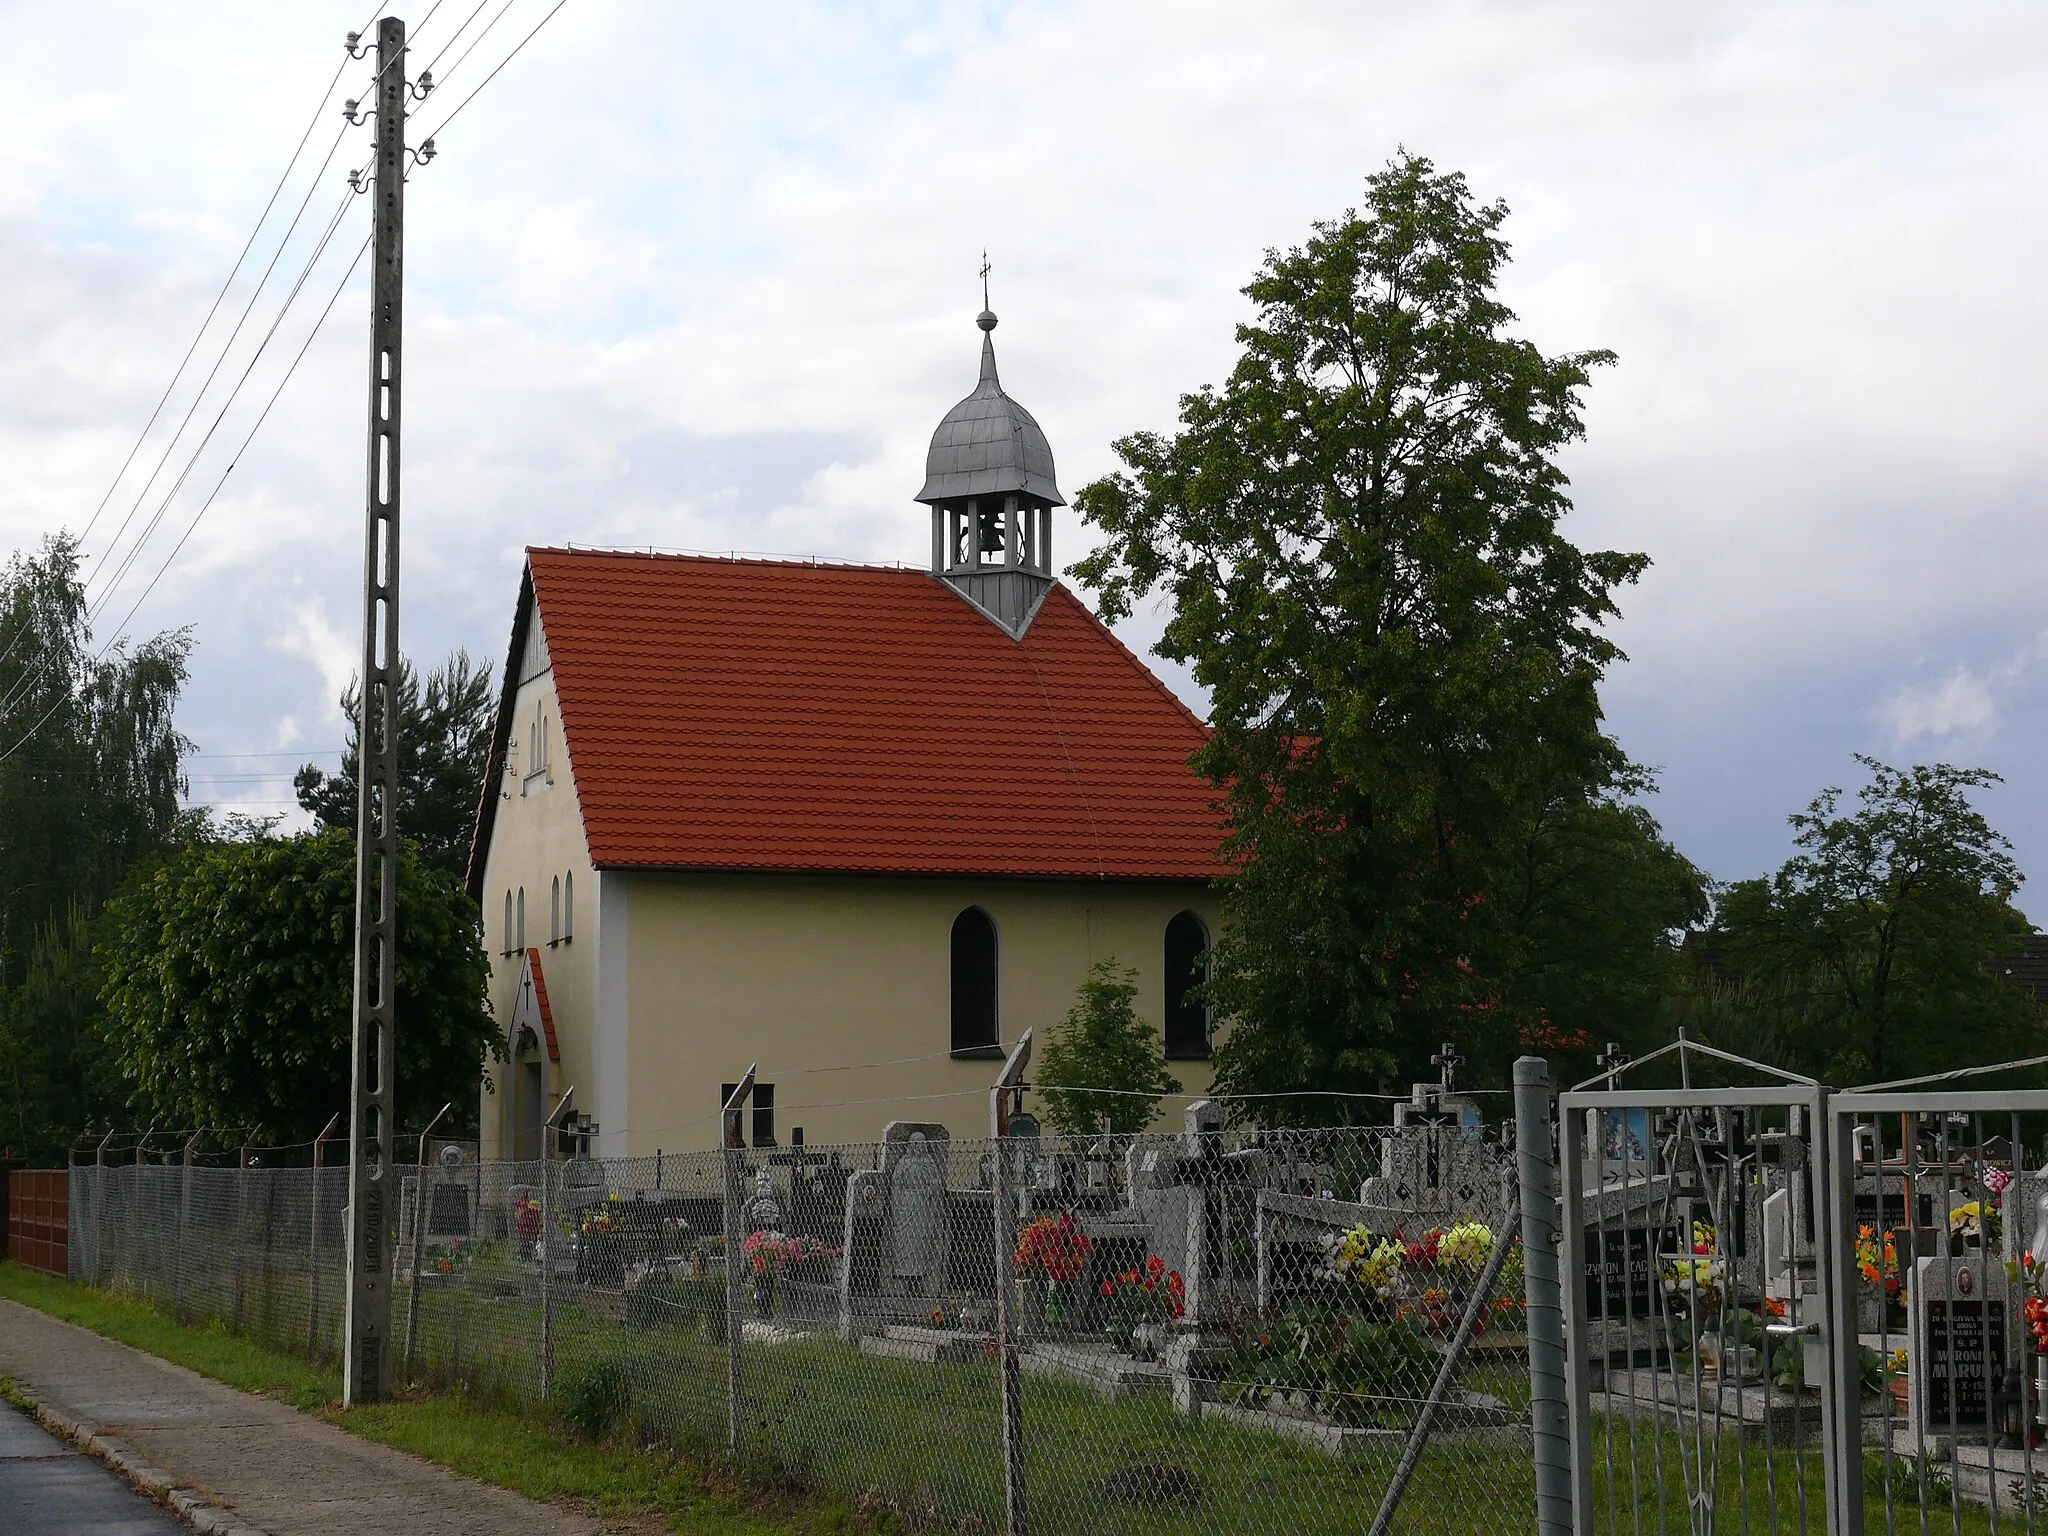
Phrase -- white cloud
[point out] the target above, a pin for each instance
(702, 277)
(1960, 705)
(313, 638)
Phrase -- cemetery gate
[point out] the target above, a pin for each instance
(1793, 1308)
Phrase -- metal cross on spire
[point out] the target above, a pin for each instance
(984, 277)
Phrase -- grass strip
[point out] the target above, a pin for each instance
(493, 1445)
(206, 1348)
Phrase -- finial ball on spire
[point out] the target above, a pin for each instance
(986, 319)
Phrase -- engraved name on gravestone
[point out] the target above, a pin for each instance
(1958, 1329)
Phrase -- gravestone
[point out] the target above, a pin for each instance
(864, 1237)
(1627, 1232)
(763, 1211)
(1958, 1317)
(918, 1235)
(1176, 1218)
(449, 1189)
(1150, 1165)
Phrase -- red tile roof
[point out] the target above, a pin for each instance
(767, 715)
(540, 996)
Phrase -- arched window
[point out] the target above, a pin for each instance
(975, 1027)
(569, 905)
(555, 913)
(521, 930)
(1187, 967)
(505, 933)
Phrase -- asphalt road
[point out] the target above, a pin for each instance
(48, 1489)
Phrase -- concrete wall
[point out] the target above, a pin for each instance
(840, 988)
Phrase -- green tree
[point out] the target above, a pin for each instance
(1358, 540)
(1869, 954)
(229, 974)
(444, 735)
(90, 763)
(90, 778)
(1103, 1045)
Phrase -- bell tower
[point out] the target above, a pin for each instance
(989, 482)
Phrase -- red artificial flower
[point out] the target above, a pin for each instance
(1109, 1287)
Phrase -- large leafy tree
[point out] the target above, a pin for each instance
(90, 762)
(1358, 540)
(90, 778)
(444, 734)
(228, 977)
(1870, 954)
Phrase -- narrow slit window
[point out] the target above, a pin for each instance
(975, 1025)
(1187, 967)
(521, 944)
(505, 932)
(555, 913)
(569, 905)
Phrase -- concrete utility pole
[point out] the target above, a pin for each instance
(366, 1326)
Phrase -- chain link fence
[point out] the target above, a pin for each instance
(1259, 1331)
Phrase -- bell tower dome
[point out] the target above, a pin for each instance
(989, 482)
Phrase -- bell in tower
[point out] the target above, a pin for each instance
(989, 482)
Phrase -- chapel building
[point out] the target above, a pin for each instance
(859, 825)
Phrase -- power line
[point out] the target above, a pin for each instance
(212, 373)
(28, 681)
(271, 202)
(487, 79)
(250, 437)
(215, 492)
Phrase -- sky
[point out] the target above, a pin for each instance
(704, 278)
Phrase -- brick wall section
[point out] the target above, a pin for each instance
(38, 1218)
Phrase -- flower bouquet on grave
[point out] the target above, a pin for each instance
(1878, 1263)
(1142, 1302)
(1695, 1288)
(1051, 1252)
(1371, 1264)
(2030, 1276)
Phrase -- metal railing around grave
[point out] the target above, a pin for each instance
(1696, 1305)
(1216, 1331)
(1798, 1308)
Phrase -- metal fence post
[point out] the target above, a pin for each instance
(313, 1243)
(1008, 1084)
(734, 1153)
(1834, 1228)
(1548, 1412)
(547, 1261)
(419, 1239)
(184, 1226)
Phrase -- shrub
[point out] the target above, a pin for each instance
(598, 1398)
(1103, 1044)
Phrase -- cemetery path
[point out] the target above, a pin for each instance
(278, 1471)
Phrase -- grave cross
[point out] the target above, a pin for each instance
(797, 1159)
(1447, 1060)
(1611, 1061)
(1436, 1114)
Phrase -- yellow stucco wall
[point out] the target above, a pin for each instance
(840, 990)
(537, 839)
